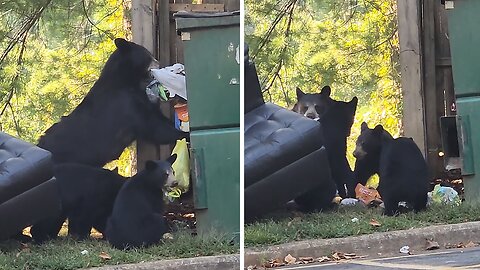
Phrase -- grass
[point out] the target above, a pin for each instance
(65, 253)
(335, 224)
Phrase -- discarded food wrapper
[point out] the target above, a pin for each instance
(84, 252)
(182, 111)
(349, 201)
(155, 92)
(366, 195)
(405, 250)
(444, 195)
(354, 220)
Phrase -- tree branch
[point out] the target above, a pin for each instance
(110, 35)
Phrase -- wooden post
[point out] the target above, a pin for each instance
(409, 18)
(143, 33)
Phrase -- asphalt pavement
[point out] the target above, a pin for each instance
(454, 259)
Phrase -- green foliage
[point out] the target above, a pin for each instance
(350, 45)
(49, 68)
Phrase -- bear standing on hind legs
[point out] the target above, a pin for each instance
(402, 169)
(115, 112)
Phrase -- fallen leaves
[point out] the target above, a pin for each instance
(104, 255)
(462, 245)
(375, 223)
(291, 260)
(431, 245)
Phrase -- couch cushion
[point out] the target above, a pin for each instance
(275, 137)
(22, 166)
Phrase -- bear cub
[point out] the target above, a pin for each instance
(87, 194)
(137, 218)
(401, 167)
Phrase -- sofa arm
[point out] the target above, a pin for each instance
(273, 192)
(29, 207)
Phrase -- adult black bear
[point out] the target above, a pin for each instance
(87, 196)
(367, 165)
(114, 113)
(336, 123)
(137, 217)
(337, 118)
(402, 169)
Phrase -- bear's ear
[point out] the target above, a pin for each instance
(326, 90)
(364, 126)
(378, 129)
(300, 93)
(150, 165)
(353, 102)
(122, 44)
(172, 158)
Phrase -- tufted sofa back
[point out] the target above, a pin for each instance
(22, 166)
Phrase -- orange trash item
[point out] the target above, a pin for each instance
(366, 195)
(182, 112)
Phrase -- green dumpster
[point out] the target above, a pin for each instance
(463, 22)
(212, 66)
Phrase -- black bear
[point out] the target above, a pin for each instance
(337, 118)
(313, 105)
(336, 124)
(401, 167)
(115, 112)
(137, 217)
(87, 195)
(367, 165)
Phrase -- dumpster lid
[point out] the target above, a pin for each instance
(188, 20)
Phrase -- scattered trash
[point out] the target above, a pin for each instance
(366, 195)
(104, 255)
(167, 236)
(431, 245)
(405, 250)
(181, 167)
(349, 201)
(375, 223)
(355, 220)
(84, 252)
(172, 78)
(444, 195)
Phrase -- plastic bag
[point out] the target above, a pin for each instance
(444, 195)
(181, 167)
(173, 78)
